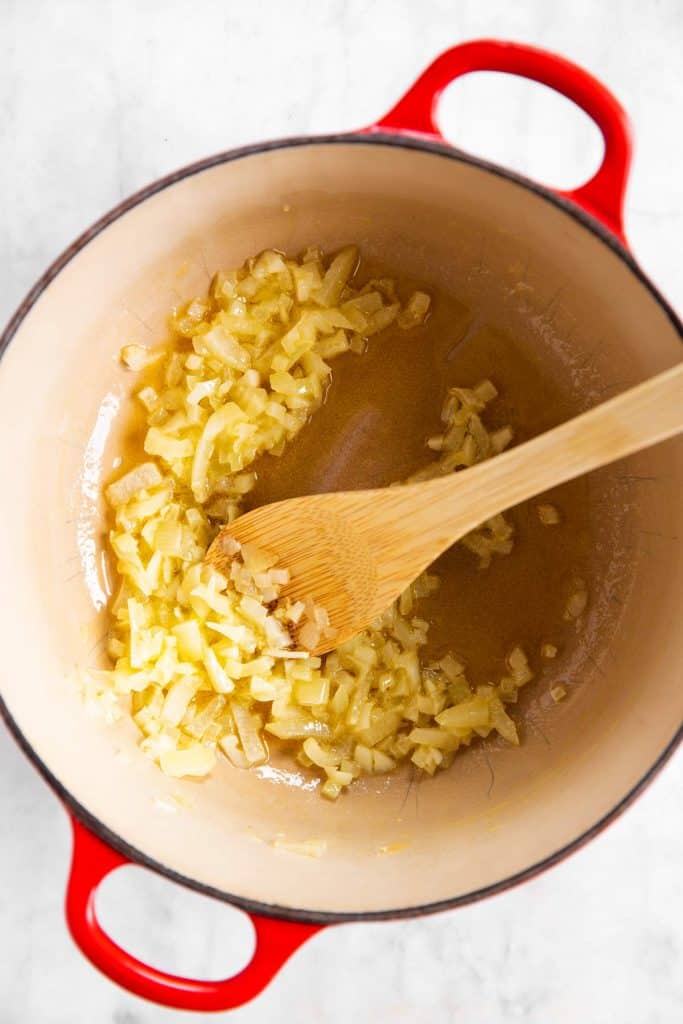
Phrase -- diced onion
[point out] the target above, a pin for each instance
(136, 357)
(577, 601)
(548, 514)
(208, 661)
(196, 761)
(144, 476)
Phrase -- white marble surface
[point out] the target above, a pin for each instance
(95, 100)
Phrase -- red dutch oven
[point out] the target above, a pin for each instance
(550, 270)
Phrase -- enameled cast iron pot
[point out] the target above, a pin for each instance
(587, 316)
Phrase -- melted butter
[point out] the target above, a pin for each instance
(93, 562)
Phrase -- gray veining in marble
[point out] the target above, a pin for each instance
(96, 99)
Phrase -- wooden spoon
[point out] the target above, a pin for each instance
(354, 552)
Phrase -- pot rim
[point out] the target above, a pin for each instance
(398, 140)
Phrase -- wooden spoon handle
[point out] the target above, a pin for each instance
(639, 418)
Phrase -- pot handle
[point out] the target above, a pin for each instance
(92, 860)
(603, 195)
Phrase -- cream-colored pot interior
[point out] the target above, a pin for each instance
(578, 313)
